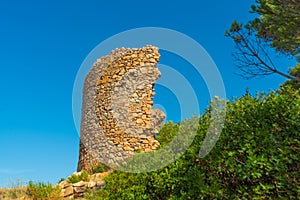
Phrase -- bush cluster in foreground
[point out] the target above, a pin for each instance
(256, 157)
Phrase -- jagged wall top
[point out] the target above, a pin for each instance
(117, 118)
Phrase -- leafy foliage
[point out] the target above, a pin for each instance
(99, 168)
(74, 178)
(256, 157)
(276, 27)
(294, 72)
(279, 24)
(167, 133)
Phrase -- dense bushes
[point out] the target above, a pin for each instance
(256, 157)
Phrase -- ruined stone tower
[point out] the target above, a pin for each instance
(117, 118)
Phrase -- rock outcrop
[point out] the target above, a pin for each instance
(77, 190)
(117, 119)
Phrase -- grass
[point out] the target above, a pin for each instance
(33, 191)
(14, 190)
(43, 191)
(12, 193)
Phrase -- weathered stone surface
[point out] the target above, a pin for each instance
(76, 190)
(80, 189)
(116, 109)
(79, 184)
(68, 191)
(91, 184)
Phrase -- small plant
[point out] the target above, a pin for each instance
(95, 195)
(61, 180)
(138, 151)
(83, 176)
(100, 168)
(43, 191)
(97, 168)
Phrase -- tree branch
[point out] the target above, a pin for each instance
(249, 58)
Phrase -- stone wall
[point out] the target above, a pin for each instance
(117, 119)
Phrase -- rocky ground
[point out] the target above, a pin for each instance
(67, 190)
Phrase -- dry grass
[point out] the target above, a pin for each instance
(16, 190)
(13, 193)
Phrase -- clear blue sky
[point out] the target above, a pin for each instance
(42, 46)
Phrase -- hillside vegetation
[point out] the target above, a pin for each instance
(256, 157)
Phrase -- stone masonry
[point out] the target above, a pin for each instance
(117, 119)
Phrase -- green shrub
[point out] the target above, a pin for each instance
(83, 176)
(138, 151)
(42, 191)
(100, 168)
(256, 157)
(167, 133)
(128, 186)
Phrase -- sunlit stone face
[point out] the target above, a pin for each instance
(117, 118)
